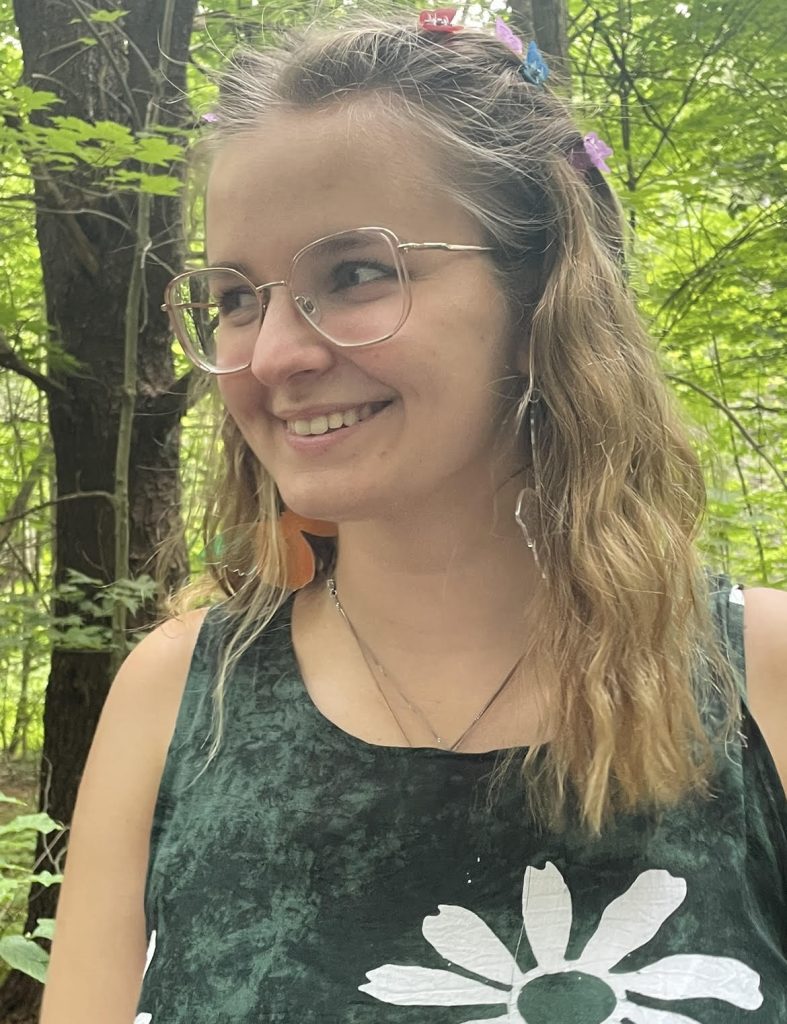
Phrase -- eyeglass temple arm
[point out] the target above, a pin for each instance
(444, 245)
(259, 289)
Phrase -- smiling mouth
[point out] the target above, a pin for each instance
(334, 421)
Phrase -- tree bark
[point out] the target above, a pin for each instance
(546, 21)
(550, 22)
(87, 260)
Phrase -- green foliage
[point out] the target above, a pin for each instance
(123, 158)
(84, 620)
(17, 839)
(86, 625)
(23, 954)
(688, 95)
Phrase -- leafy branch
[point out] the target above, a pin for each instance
(77, 495)
(11, 360)
(131, 340)
(735, 420)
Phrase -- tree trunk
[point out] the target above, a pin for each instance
(87, 248)
(546, 21)
(550, 22)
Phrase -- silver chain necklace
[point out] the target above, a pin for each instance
(374, 667)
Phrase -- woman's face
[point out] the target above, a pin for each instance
(442, 374)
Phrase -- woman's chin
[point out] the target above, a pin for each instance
(335, 512)
(317, 508)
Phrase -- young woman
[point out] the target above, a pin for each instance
(468, 735)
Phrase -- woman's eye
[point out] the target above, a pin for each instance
(355, 273)
(236, 300)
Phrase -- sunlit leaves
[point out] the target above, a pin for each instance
(67, 141)
(691, 100)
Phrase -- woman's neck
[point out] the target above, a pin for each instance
(417, 587)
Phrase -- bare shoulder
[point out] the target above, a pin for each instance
(151, 680)
(173, 639)
(765, 642)
(99, 947)
(161, 660)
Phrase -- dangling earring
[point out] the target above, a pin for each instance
(301, 565)
(528, 504)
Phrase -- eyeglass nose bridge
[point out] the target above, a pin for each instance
(311, 315)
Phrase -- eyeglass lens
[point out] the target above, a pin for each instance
(349, 286)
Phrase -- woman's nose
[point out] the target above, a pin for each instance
(287, 344)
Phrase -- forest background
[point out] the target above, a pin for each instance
(105, 431)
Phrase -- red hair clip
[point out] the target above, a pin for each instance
(439, 20)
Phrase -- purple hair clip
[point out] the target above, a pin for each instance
(597, 151)
(594, 153)
(505, 35)
(210, 118)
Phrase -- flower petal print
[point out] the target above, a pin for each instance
(633, 919)
(461, 936)
(648, 1015)
(546, 912)
(422, 986)
(147, 1018)
(629, 921)
(697, 977)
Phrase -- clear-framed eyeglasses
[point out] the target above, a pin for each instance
(352, 287)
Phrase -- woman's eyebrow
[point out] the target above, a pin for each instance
(333, 245)
(346, 242)
(242, 268)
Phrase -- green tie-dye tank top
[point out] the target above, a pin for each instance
(309, 877)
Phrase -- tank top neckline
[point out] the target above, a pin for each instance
(283, 621)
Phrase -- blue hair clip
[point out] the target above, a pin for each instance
(534, 68)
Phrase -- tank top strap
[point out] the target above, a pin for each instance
(727, 602)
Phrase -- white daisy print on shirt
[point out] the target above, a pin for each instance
(147, 1018)
(556, 987)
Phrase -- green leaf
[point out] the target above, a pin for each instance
(29, 823)
(24, 955)
(152, 149)
(46, 878)
(45, 928)
(107, 17)
(74, 576)
(10, 799)
(154, 184)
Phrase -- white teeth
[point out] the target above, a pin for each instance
(322, 424)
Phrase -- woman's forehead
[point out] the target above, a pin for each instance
(315, 172)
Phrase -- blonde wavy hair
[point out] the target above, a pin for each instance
(630, 651)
